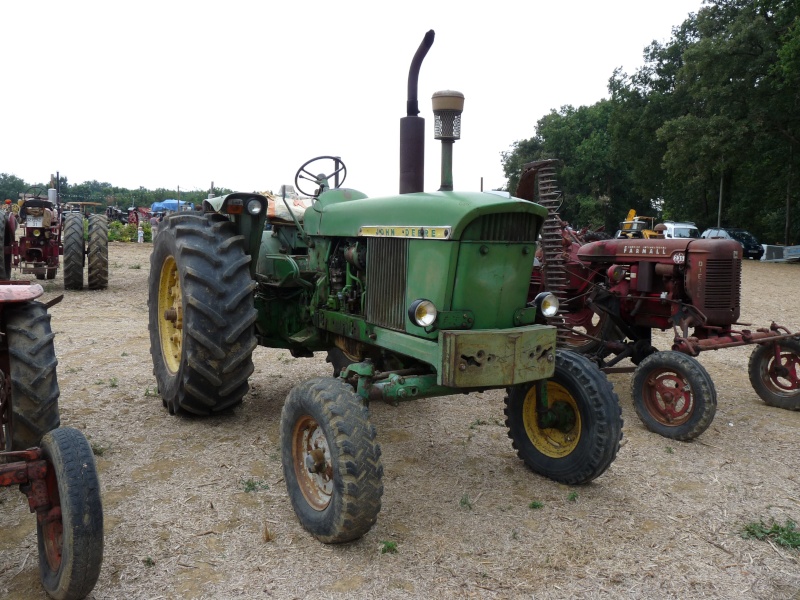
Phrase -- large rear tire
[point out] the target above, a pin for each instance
(98, 252)
(585, 325)
(201, 314)
(331, 461)
(582, 437)
(674, 395)
(74, 251)
(34, 384)
(70, 536)
(776, 379)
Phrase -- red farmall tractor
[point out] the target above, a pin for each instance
(48, 230)
(614, 292)
(54, 467)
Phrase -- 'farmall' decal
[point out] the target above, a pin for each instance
(649, 250)
(401, 231)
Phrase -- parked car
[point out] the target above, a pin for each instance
(751, 247)
(675, 229)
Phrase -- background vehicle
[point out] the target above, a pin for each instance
(50, 229)
(681, 230)
(54, 467)
(412, 296)
(751, 247)
(613, 293)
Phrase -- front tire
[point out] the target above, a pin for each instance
(331, 461)
(98, 252)
(776, 380)
(201, 314)
(674, 395)
(583, 440)
(74, 251)
(70, 536)
(34, 384)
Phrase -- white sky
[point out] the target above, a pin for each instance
(167, 94)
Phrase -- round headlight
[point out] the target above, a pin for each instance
(546, 304)
(254, 207)
(422, 312)
(36, 233)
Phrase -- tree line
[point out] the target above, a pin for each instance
(706, 130)
(104, 193)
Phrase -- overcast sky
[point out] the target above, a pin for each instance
(167, 94)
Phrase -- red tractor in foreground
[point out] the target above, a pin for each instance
(614, 292)
(53, 466)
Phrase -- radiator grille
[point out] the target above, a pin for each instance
(387, 261)
(723, 284)
(504, 227)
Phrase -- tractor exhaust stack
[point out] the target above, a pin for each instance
(412, 128)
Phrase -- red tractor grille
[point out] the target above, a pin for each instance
(722, 291)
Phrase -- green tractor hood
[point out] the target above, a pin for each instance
(440, 215)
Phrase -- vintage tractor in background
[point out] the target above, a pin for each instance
(614, 292)
(53, 466)
(50, 229)
(131, 216)
(413, 296)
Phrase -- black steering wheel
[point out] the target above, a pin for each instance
(321, 180)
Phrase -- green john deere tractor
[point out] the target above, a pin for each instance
(412, 296)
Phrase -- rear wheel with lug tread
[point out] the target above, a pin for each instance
(34, 382)
(201, 314)
(98, 252)
(74, 251)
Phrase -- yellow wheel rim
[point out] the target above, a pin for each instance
(550, 441)
(170, 315)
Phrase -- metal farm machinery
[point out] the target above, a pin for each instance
(614, 292)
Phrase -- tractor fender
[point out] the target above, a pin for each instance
(19, 291)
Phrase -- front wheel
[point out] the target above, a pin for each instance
(674, 395)
(574, 436)
(201, 314)
(70, 534)
(774, 371)
(331, 461)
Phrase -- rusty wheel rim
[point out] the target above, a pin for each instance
(52, 524)
(783, 373)
(170, 315)
(550, 441)
(668, 397)
(311, 457)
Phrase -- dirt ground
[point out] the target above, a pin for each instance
(197, 508)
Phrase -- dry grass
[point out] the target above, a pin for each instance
(663, 522)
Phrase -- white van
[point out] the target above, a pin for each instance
(677, 229)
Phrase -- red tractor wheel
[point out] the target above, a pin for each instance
(674, 395)
(774, 371)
